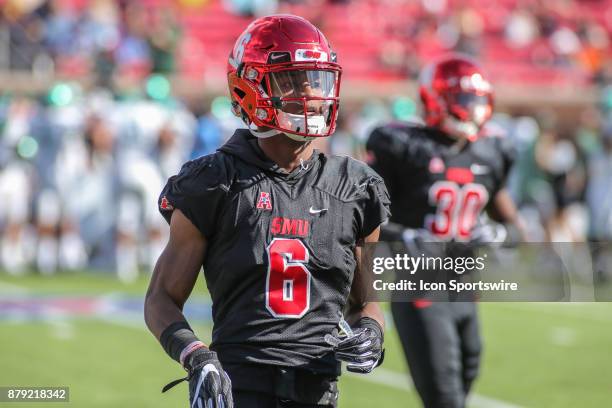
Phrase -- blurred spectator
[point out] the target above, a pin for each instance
(25, 31)
(163, 41)
(565, 43)
(60, 30)
(252, 8)
(599, 191)
(558, 158)
(88, 217)
(599, 202)
(133, 54)
(521, 29)
(208, 136)
(471, 27)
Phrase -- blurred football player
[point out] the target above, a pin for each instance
(441, 176)
(277, 226)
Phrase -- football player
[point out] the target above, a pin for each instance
(441, 175)
(278, 228)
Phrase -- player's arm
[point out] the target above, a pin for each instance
(358, 305)
(174, 275)
(502, 208)
(362, 346)
(173, 279)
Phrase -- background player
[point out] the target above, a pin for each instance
(440, 177)
(276, 225)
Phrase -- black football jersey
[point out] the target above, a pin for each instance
(432, 183)
(280, 260)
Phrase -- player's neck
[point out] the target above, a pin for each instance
(285, 152)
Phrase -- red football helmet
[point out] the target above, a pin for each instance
(282, 74)
(456, 96)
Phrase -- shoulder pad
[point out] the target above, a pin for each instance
(494, 130)
(204, 174)
(355, 181)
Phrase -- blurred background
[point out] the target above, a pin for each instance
(102, 100)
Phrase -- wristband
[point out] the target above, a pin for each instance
(189, 349)
(176, 338)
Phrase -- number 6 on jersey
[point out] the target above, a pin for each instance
(288, 280)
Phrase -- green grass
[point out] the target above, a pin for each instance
(536, 355)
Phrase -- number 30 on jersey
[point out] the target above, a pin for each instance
(288, 279)
(457, 208)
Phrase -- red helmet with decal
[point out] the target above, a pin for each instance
(282, 75)
(456, 96)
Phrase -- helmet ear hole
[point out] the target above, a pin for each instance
(240, 93)
(431, 107)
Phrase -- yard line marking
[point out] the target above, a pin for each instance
(61, 328)
(386, 377)
(402, 382)
(563, 336)
(481, 401)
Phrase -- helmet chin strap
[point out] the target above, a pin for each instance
(298, 138)
(273, 132)
(458, 129)
(263, 135)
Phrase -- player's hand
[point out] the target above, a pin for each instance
(490, 233)
(209, 384)
(422, 241)
(361, 348)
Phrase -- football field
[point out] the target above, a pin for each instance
(87, 332)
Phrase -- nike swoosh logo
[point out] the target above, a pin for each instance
(478, 169)
(313, 211)
(276, 56)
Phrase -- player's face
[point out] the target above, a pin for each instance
(467, 113)
(468, 106)
(304, 84)
(306, 100)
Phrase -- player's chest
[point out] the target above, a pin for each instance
(452, 177)
(270, 210)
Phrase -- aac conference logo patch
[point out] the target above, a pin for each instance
(264, 202)
(165, 204)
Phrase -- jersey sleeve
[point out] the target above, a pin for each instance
(384, 151)
(374, 207)
(198, 190)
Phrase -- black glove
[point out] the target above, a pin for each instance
(362, 349)
(422, 241)
(209, 384)
(496, 235)
(490, 233)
